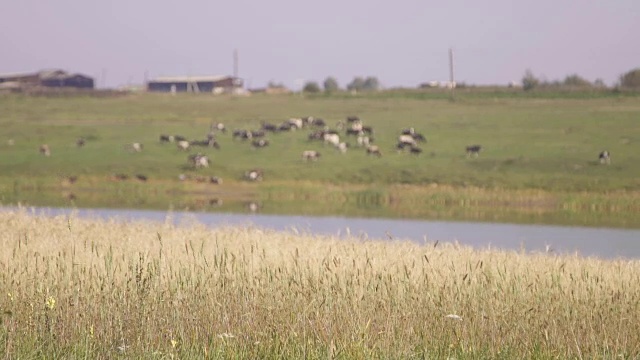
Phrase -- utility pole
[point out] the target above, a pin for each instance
(451, 78)
(235, 63)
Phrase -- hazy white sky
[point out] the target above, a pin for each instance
(402, 42)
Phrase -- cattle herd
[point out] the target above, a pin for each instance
(338, 138)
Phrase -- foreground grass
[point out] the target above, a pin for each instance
(77, 288)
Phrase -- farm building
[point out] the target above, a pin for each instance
(47, 79)
(196, 84)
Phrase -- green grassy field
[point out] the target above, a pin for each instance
(77, 288)
(544, 143)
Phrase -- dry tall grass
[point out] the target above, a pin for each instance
(76, 288)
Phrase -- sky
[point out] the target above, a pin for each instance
(402, 42)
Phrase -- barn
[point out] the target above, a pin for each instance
(195, 84)
(49, 79)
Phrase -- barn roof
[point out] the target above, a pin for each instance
(42, 74)
(188, 79)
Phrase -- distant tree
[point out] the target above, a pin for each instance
(311, 87)
(273, 84)
(371, 84)
(577, 81)
(631, 79)
(331, 84)
(529, 81)
(357, 84)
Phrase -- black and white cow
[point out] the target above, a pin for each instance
(254, 175)
(404, 140)
(242, 134)
(198, 160)
(605, 157)
(183, 145)
(308, 155)
(219, 127)
(45, 150)
(166, 138)
(473, 150)
(260, 143)
(374, 150)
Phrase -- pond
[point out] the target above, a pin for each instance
(596, 242)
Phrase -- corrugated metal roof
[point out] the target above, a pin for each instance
(52, 73)
(191, 79)
(42, 73)
(20, 74)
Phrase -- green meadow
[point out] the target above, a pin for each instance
(537, 143)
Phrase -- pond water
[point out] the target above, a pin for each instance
(595, 242)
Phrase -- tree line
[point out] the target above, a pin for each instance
(630, 79)
(330, 84)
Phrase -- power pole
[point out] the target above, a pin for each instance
(451, 78)
(235, 63)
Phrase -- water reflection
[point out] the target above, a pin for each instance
(364, 202)
(598, 242)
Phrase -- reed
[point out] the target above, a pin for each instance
(75, 288)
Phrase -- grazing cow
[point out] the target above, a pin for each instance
(119, 177)
(166, 138)
(254, 175)
(260, 143)
(80, 142)
(215, 180)
(286, 127)
(179, 138)
(142, 177)
(220, 127)
(342, 147)
(295, 122)
(44, 150)
(269, 127)
(134, 147)
(406, 140)
(253, 206)
(318, 122)
(242, 134)
(351, 119)
(317, 135)
(258, 133)
(363, 140)
(473, 150)
(216, 202)
(310, 155)
(333, 139)
(367, 130)
(183, 145)
(605, 157)
(409, 131)
(354, 132)
(198, 160)
(357, 126)
(374, 150)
